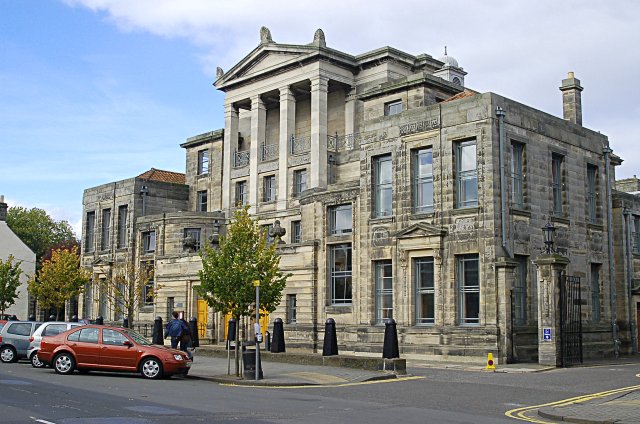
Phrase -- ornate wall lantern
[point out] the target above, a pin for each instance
(548, 231)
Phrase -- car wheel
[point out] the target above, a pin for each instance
(36, 362)
(151, 368)
(64, 363)
(8, 354)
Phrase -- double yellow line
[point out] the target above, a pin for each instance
(520, 413)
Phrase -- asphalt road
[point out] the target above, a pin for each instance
(443, 396)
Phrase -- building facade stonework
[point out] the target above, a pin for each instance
(403, 194)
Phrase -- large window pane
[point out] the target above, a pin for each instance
(423, 180)
(383, 186)
(340, 273)
(340, 219)
(425, 293)
(467, 175)
(384, 291)
(468, 289)
(517, 175)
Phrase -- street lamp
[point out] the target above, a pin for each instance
(548, 232)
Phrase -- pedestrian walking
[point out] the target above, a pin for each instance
(174, 329)
(185, 339)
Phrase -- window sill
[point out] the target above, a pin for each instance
(521, 212)
(595, 227)
(466, 211)
(422, 215)
(338, 309)
(382, 219)
(202, 175)
(560, 220)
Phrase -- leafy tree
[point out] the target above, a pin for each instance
(38, 230)
(228, 272)
(127, 287)
(9, 282)
(59, 279)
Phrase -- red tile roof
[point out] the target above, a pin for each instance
(462, 95)
(164, 176)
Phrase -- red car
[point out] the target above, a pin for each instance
(101, 348)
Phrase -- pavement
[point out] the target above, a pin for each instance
(297, 369)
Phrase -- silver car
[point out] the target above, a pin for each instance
(51, 328)
(14, 339)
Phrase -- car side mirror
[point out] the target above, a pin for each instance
(127, 343)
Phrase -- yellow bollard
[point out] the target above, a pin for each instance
(490, 364)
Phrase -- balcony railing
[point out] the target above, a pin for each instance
(339, 143)
(240, 159)
(299, 145)
(268, 151)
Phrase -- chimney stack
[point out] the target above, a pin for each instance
(572, 99)
(3, 209)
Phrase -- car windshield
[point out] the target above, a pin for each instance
(137, 337)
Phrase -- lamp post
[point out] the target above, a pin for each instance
(256, 284)
(548, 232)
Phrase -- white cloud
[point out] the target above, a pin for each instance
(520, 49)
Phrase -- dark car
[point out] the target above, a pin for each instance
(100, 348)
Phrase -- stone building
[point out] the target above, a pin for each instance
(403, 194)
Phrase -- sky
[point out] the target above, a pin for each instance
(95, 91)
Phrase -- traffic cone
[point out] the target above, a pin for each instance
(490, 364)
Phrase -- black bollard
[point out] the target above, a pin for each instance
(231, 332)
(157, 336)
(330, 345)
(100, 320)
(267, 341)
(277, 344)
(74, 318)
(125, 322)
(390, 348)
(193, 326)
(52, 317)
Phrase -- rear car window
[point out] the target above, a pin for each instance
(89, 335)
(20, 329)
(54, 329)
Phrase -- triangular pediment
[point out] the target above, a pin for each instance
(101, 262)
(421, 229)
(266, 58)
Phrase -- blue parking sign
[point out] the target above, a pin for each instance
(546, 334)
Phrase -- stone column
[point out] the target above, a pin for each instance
(505, 277)
(572, 99)
(550, 267)
(287, 129)
(350, 112)
(258, 133)
(230, 146)
(318, 171)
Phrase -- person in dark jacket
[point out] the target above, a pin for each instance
(185, 338)
(174, 329)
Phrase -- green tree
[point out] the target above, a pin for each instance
(38, 230)
(59, 279)
(128, 287)
(228, 272)
(9, 282)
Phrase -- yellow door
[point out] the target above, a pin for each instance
(203, 318)
(227, 317)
